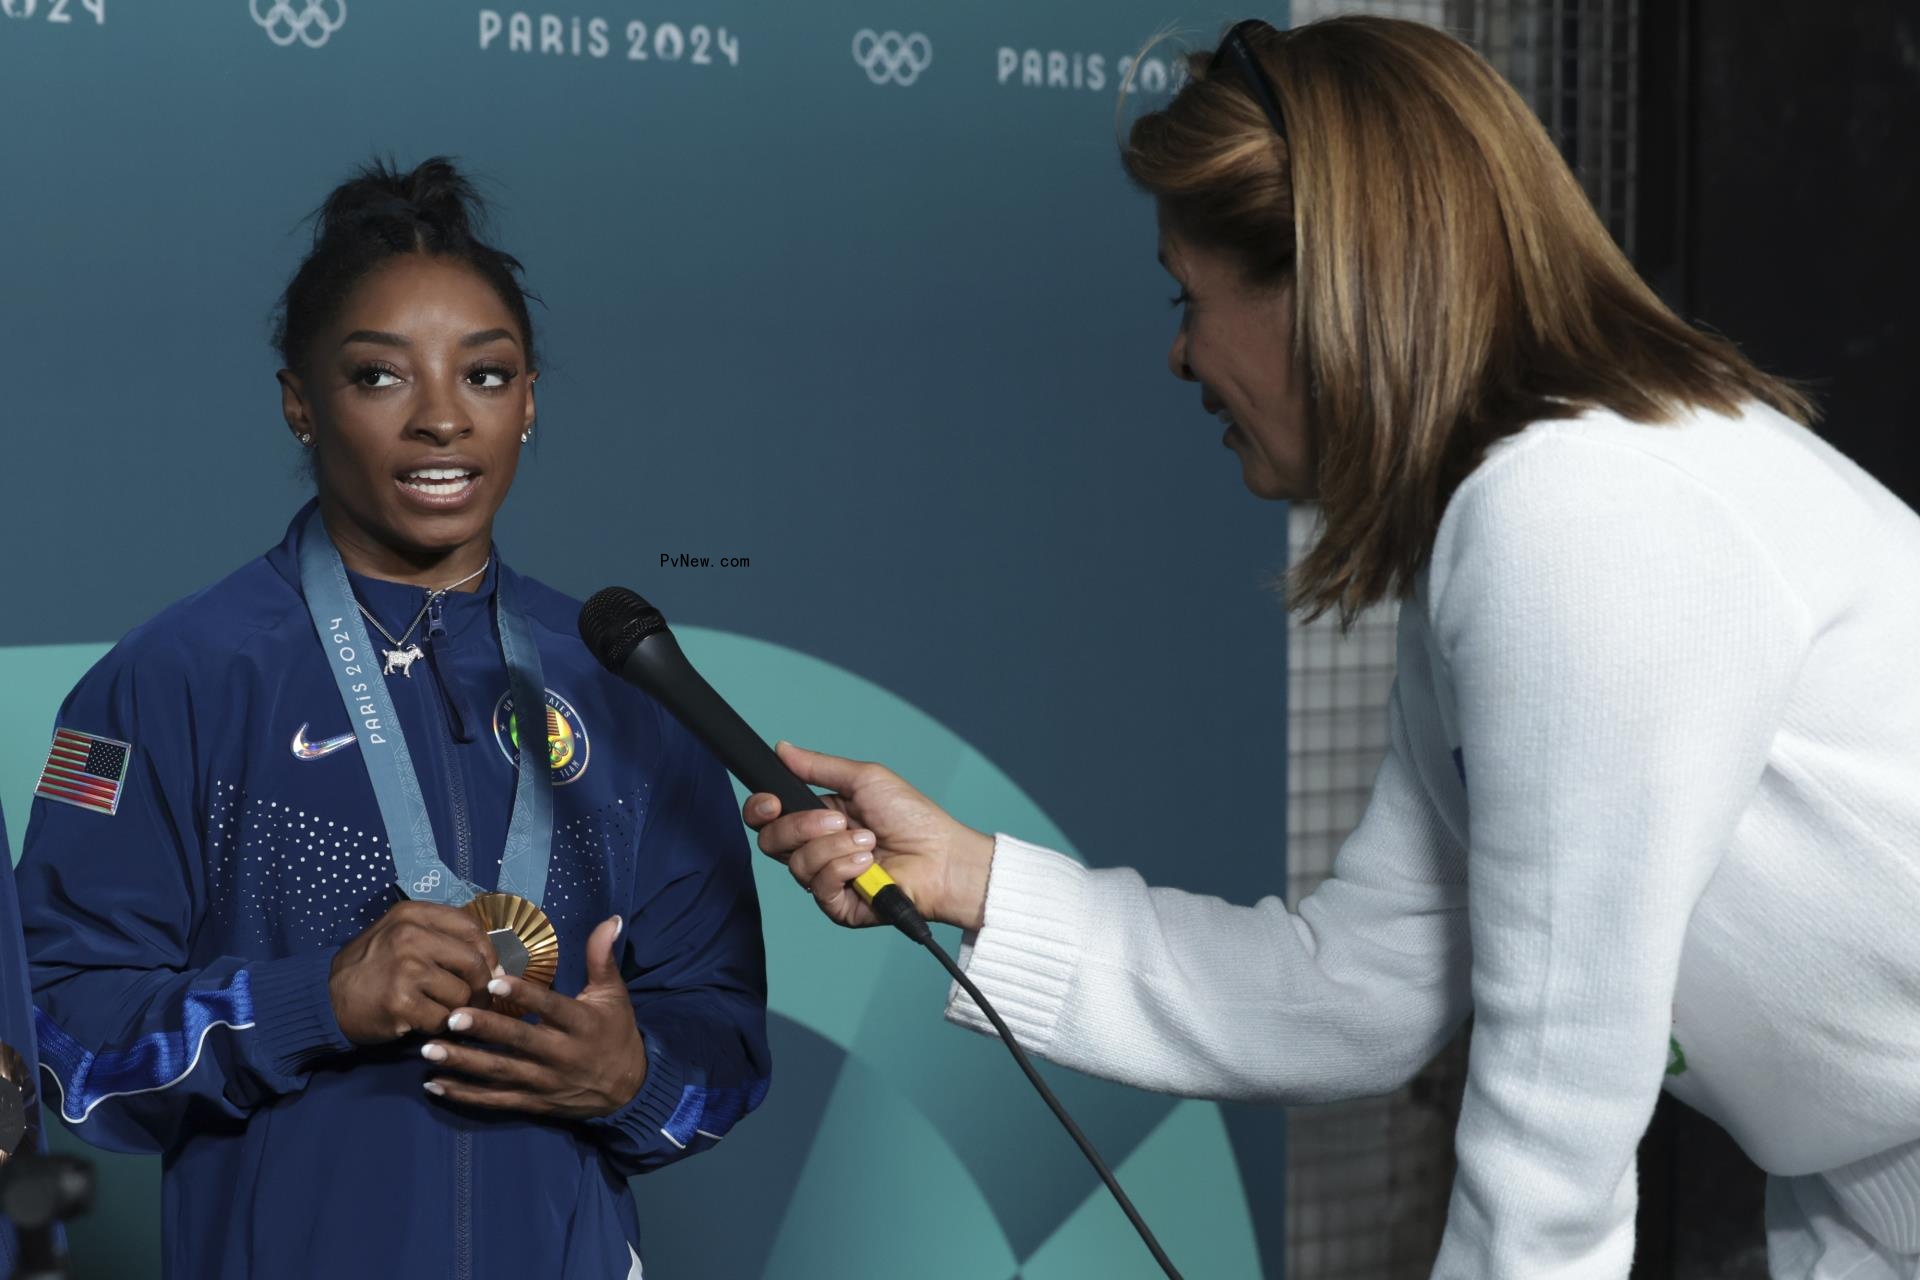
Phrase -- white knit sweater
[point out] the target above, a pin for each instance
(1653, 799)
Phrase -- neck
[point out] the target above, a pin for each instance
(430, 568)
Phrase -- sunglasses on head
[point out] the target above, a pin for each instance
(1234, 49)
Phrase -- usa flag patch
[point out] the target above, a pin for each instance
(85, 770)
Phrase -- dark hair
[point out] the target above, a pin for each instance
(381, 213)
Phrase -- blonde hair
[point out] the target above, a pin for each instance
(1451, 281)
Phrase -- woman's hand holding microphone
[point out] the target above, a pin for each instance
(939, 862)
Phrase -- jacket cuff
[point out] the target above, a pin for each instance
(293, 1011)
(1025, 955)
(645, 1123)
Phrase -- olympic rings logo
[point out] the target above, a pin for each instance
(428, 882)
(890, 56)
(312, 23)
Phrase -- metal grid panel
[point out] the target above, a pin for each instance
(1433, 12)
(1367, 1181)
(1337, 689)
(1577, 63)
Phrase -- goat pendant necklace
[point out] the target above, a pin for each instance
(402, 655)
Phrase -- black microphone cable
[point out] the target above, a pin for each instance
(616, 625)
(1060, 1113)
(900, 912)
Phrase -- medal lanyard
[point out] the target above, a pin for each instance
(383, 745)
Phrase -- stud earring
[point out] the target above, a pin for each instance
(306, 438)
(526, 435)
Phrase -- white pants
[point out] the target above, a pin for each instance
(1860, 1222)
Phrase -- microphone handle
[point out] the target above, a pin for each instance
(658, 665)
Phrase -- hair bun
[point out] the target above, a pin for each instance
(435, 202)
(380, 213)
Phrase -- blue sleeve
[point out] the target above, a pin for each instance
(141, 1043)
(696, 968)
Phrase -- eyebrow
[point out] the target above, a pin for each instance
(485, 336)
(378, 337)
(381, 338)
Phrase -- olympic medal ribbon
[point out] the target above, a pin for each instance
(529, 848)
(334, 611)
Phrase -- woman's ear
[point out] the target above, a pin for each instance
(293, 407)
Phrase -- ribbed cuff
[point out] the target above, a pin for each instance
(1882, 1194)
(293, 1011)
(1024, 957)
(643, 1122)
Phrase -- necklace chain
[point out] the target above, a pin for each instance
(432, 595)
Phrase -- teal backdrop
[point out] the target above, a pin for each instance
(855, 291)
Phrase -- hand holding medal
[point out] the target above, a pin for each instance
(585, 1057)
(411, 968)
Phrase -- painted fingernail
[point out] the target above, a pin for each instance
(434, 1052)
(433, 1087)
(863, 838)
(458, 1022)
(862, 858)
(499, 987)
(619, 923)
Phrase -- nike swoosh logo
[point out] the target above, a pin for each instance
(304, 750)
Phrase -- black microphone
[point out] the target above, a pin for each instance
(630, 638)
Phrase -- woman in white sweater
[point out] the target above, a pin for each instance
(1652, 807)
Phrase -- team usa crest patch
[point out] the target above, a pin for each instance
(567, 746)
(85, 770)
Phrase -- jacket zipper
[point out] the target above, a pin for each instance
(436, 626)
(463, 867)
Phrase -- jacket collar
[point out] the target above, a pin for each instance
(396, 603)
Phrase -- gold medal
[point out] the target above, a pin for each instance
(522, 937)
(16, 1103)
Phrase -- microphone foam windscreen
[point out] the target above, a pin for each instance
(614, 621)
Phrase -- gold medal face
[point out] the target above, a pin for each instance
(16, 1103)
(523, 938)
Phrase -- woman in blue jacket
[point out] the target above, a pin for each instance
(287, 890)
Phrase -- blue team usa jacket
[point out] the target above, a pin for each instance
(181, 925)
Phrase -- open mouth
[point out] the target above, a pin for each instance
(1219, 411)
(439, 486)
